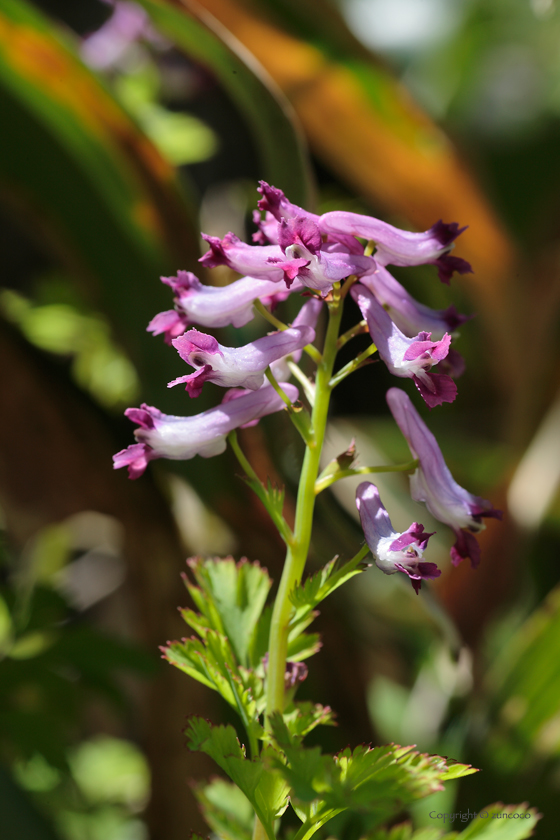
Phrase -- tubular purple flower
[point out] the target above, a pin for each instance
(306, 317)
(181, 438)
(320, 267)
(213, 306)
(410, 316)
(393, 552)
(401, 247)
(407, 357)
(245, 259)
(433, 484)
(298, 255)
(234, 367)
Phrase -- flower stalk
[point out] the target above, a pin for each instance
(296, 555)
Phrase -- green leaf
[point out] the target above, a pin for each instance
(318, 586)
(525, 688)
(259, 780)
(212, 663)
(231, 596)
(278, 143)
(226, 809)
(404, 831)
(379, 781)
(302, 718)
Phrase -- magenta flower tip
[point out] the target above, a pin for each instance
(393, 552)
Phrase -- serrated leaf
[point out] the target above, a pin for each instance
(379, 781)
(302, 718)
(317, 587)
(259, 780)
(497, 822)
(212, 663)
(226, 809)
(456, 770)
(231, 596)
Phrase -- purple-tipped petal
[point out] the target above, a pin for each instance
(171, 323)
(400, 247)
(410, 316)
(214, 306)
(274, 201)
(253, 260)
(181, 438)
(466, 546)
(433, 484)
(412, 358)
(235, 367)
(448, 265)
(136, 457)
(393, 552)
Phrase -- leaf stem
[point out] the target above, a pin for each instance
(322, 483)
(356, 363)
(357, 329)
(256, 484)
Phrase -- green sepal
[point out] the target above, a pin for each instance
(231, 597)
(226, 809)
(260, 781)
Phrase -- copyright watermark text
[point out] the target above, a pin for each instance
(464, 816)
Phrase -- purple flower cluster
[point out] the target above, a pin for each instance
(296, 251)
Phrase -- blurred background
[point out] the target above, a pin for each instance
(127, 128)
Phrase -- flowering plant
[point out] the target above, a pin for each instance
(253, 653)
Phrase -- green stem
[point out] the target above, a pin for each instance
(259, 832)
(322, 483)
(353, 365)
(307, 385)
(357, 329)
(298, 550)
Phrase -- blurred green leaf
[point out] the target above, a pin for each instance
(111, 770)
(525, 690)
(89, 183)
(181, 138)
(226, 809)
(278, 142)
(498, 822)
